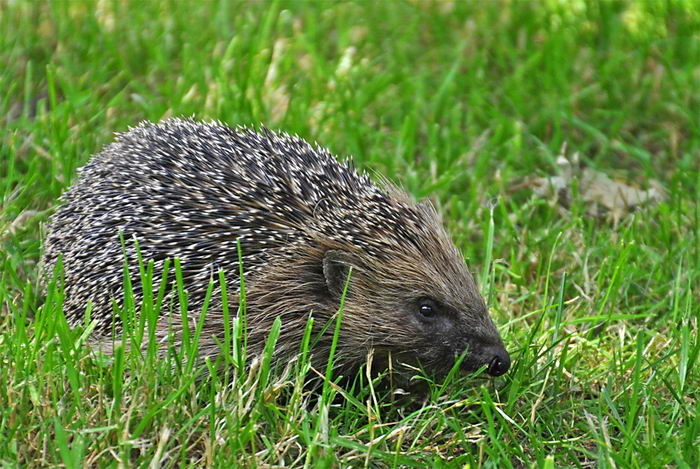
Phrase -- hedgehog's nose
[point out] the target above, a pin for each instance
(499, 362)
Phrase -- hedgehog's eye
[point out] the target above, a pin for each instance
(427, 308)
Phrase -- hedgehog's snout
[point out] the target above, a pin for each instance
(493, 356)
(499, 361)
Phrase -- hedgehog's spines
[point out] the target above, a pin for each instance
(196, 190)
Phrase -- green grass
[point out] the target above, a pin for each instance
(462, 102)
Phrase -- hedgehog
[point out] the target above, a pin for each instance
(301, 222)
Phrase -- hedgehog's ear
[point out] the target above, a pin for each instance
(336, 268)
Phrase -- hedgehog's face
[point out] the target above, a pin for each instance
(419, 312)
(444, 333)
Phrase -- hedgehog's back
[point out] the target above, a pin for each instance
(192, 191)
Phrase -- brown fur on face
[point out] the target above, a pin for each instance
(379, 309)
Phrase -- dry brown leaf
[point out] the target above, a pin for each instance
(600, 194)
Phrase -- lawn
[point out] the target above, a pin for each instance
(468, 104)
